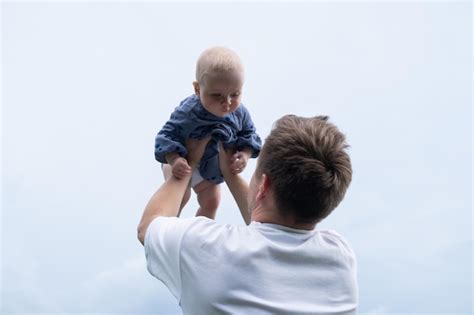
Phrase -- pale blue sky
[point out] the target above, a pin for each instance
(86, 86)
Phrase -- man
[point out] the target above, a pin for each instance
(277, 264)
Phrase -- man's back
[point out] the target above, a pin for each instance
(260, 268)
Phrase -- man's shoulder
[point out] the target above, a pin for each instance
(334, 239)
(194, 225)
(205, 228)
(169, 227)
(175, 221)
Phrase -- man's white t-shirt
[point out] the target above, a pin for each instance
(261, 268)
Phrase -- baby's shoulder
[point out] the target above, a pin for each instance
(189, 103)
(241, 112)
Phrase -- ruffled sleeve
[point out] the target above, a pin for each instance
(172, 136)
(247, 137)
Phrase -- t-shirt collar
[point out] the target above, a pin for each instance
(280, 227)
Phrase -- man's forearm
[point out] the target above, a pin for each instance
(165, 202)
(237, 185)
(239, 189)
(248, 151)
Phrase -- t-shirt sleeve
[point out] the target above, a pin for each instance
(344, 246)
(163, 241)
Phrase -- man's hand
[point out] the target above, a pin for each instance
(180, 167)
(239, 161)
(196, 148)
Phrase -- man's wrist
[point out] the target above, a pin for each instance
(171, 157)
(247, 152)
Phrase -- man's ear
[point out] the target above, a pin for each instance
(196, 88)
(263, 187)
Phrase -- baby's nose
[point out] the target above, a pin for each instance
(227, 99)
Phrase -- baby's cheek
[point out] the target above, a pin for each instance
(235, 105)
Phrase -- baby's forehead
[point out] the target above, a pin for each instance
(230, 79)
(227, 75)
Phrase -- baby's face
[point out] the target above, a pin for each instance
(220, 94)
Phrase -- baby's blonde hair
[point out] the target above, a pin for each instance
(217, 60)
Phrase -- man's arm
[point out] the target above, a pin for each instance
(237, 185)
(167, 199)
(164, 202)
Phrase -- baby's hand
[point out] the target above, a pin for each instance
(180, 167)
(239, 161)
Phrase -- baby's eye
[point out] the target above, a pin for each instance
(235, 94)
(216, 95)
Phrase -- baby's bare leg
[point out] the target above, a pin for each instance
(167, 174)
(208, 196)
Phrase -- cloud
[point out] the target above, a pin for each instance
(378, 310)
(22, 290)
(127, 288)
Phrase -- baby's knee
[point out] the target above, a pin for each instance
(209, 200)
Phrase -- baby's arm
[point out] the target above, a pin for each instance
(170, 142)
(248, 142)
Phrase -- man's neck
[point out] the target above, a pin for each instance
(272, 216)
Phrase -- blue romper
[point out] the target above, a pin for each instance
(191, 120)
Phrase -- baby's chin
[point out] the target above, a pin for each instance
(219, 113)
(222, 114)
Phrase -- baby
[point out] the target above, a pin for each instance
(213, 111)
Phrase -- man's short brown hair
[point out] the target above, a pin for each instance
(308, 167)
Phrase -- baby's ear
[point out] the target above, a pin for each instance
(196, 87)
